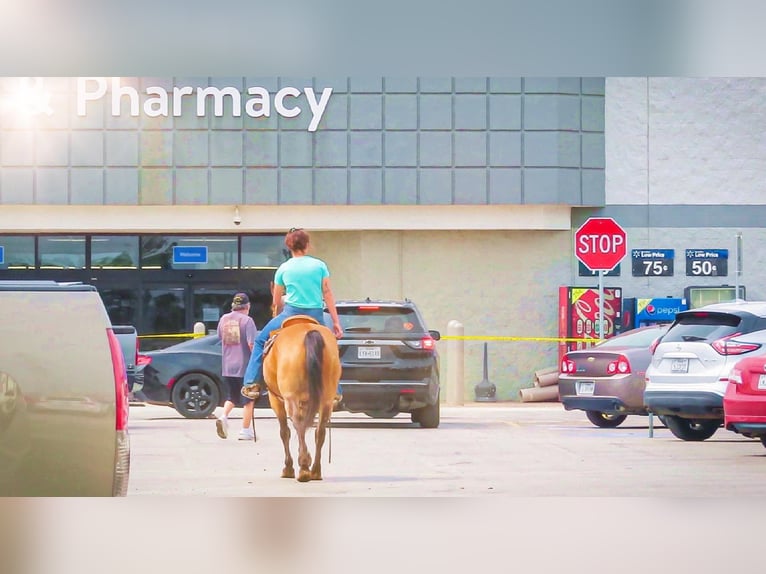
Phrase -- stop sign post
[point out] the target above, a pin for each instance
(600, 243)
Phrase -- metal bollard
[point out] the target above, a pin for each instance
(485, 391)
(455, 364)
(651, 424)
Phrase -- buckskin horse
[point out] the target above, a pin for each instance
(301, 369)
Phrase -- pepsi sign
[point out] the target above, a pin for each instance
(661, 310)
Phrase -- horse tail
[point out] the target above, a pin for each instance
(314, 344)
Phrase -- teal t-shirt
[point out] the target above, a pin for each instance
(302, 279)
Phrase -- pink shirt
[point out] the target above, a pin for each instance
(237, 332)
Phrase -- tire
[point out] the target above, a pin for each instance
(195, 396)
(604, 420)
(691, 430)
(427, 416)
(763, 440)
(662, 420)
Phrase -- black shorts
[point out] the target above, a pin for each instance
(233, 391)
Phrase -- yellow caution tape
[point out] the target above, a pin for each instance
(491, 338)
(443, 338)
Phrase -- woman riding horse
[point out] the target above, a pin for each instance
(302, 368)
(304, 281)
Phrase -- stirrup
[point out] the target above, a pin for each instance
(252, 392)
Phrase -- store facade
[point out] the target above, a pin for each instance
(172, 193)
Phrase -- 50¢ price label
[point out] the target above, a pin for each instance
(707, 262)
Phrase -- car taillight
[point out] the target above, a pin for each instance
(735, 377)
(120, 381)
(142, 360)
(426, 344)
(725, 346)
(653, 346)
(620, 365)
(567, 366)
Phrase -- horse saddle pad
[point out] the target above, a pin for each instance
(294, 320)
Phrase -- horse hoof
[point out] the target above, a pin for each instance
(288, 473)
(316, 476)
(304, 476)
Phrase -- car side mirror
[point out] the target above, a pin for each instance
(435, 335)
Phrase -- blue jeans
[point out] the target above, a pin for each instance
(254, 371)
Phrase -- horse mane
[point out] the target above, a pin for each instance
(314, 345)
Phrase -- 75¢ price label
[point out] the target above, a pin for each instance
(652, 262)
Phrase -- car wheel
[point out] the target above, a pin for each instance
(691, 430)
(605, 420)
(763, 440)
(195, 396)
(662, 420)
(428, 416)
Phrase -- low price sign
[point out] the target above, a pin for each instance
(652, 262)
(707, 262)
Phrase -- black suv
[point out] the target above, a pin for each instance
(389, 361)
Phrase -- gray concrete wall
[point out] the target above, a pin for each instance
(497, 283)
(685, 168)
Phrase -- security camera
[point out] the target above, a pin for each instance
(237, 219)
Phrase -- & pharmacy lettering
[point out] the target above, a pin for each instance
(158, 101)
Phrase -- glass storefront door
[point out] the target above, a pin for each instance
(163, 309)
(121, 304)
(209, 304)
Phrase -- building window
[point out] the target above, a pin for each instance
(114, 252)
(62, 252)
(18, 252)
(189, 252)
(264, 251)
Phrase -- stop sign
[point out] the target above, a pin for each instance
(600, 243)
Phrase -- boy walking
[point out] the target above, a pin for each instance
(237, 332)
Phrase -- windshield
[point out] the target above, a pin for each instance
(702, 326)
(378, 319)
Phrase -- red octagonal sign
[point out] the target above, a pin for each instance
(600, 243)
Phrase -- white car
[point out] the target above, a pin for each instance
(688, 375)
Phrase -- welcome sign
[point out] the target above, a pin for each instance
(257, 102)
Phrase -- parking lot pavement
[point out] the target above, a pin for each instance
(479, 449)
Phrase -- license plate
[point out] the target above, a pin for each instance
(585, 387)
(369, 353)
(679, 365)
(762, 382)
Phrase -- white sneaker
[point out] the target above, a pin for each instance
(246, 434)
(222, 427)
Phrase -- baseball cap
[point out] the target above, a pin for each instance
(240, 300)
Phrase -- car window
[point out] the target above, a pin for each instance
(642, 338)
(375, 319)
(703, 326)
